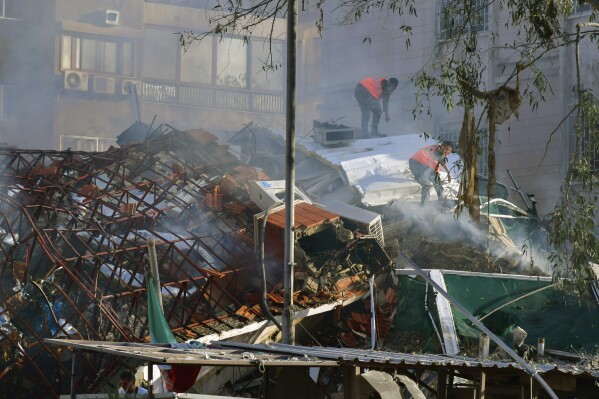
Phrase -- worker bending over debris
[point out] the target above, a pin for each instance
(368, 93)
(425, 165)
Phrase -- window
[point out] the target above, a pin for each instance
(160, 54)
(214, 61)
(264, 52)
(7, 102)
(214, 72)
(483, 145)
(94, 54)
(588, 143)
(579, 8)
(196, 62)
(231, 62)
(453, 18)
(13, 9)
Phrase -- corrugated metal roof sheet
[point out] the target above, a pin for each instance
(306, 216)
(348, 355)
(274, 354)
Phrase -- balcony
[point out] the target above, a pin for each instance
(213, 97)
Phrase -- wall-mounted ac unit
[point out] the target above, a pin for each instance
(366, 221)
(127, 86)
(332, 134)
(76, 80)
(112, 17)
(266, 193)
(104, 84)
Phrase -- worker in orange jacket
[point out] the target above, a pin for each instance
(425, 165)
(368, 93)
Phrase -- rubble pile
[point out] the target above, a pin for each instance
(74, 235)
(438, 241)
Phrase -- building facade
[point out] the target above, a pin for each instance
(72, 67)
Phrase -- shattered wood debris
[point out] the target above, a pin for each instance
(74, 228)
(458, 248)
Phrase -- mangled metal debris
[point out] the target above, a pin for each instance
(74, 237)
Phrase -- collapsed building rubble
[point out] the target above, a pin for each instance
(75, 229)
(374, 174)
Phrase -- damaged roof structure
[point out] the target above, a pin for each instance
(75, 230)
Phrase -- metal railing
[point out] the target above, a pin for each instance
(85, 143)
(213, 97)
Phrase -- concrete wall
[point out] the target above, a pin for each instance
(93, 13)
(26, 43)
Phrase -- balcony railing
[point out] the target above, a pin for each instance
(86, 143)
(213, 97)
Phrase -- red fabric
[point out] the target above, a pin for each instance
(374, 86)
(180, 377)
(425, 156)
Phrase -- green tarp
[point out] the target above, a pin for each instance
(564, 322)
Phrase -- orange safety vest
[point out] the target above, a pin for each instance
(374, 86)
(425, 156)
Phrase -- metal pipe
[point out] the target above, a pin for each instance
(150, 379)
(372, 312)
(517, 188)
(483, 346)
(154, 270)
(288, 330)
(265, 308)
(529, 369)
(73, 373)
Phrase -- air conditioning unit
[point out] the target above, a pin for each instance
(266, 193)
(75, 80)
(104, 84)
(331, 134)
(127, 86)
(367, 222)
(112, 17)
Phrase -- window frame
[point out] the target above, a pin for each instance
(76, 54)
(453, 135)
(3, 12)
(249, 86)
(444, 33)
(6, 113)
(585, 142)
(580, 9)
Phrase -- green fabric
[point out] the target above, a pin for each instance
(160, 331)
(552, 314)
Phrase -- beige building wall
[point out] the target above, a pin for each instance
(91, 113)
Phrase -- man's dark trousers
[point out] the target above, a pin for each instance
(368, 104)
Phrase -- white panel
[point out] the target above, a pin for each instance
(450, 337)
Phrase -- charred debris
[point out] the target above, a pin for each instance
(74, 234)
(75, 229)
